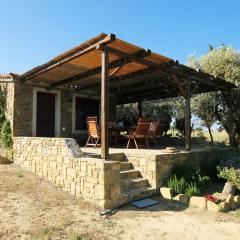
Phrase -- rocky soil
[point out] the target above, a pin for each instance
(31, 208)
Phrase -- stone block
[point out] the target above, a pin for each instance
(237, 199)
(225, 206)
(182, 198)
(213, 207)
(92, 180)
(71, 172)
(167, 193)
(230, 200)
(198, 202)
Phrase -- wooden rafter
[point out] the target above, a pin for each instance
(118, 79)
(109, 38)
(117, 63)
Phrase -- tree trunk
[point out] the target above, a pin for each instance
(210, 133)
(229, 188)
(232, 140)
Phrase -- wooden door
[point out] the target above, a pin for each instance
(45, 114)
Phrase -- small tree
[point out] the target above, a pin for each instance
(203, 106)
(223, 62)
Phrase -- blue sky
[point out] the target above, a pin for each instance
(34, 31)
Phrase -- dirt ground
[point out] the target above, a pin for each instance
(31, 208)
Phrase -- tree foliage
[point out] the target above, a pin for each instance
(152, 109)
(223, 62)
(5, 126)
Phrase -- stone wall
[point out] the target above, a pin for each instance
(60, 161)
(22, 111)
(22, 122)
(156, 167)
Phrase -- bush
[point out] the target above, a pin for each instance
(6, 134)
(232, 175)
(192, 190)
(2, 118)
(178, 185)
(190, 174)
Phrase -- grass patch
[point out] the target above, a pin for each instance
(237, 212)
(109, 224)
(79, 236)
(19, 174)
(46, 233)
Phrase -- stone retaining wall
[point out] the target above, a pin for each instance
(60, 161)
(156, 167)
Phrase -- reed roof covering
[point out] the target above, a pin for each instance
(135, 74)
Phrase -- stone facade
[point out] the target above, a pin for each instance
(20, 109)
(156, 166)
(60, 161)
(22, 122)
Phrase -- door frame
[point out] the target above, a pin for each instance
(57, 124)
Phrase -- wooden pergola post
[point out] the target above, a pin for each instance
(139, 105)
(187, 98)
(105, 103)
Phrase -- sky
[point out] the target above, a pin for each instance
(34, 31)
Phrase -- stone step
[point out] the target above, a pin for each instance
(129, 174)
(126, 166)
(117, 157)
(134, 183)
(136, 194)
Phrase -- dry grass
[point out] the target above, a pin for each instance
(217, 136)
(31, 208)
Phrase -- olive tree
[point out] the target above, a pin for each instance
(223, 62)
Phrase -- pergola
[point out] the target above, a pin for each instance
(107, 65)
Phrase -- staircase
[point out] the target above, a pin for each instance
(133, 185)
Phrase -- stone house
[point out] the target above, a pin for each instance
(48, 105)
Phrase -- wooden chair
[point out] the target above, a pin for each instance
(93, 132)
(157, 129)
(141, 133)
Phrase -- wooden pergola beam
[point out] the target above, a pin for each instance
(105, 104)
(118, 79)
(141, 88)
(152, 68)
(109, 38)
(117, 63)
(188, 118)
(158, 93)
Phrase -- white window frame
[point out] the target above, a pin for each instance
(57, 110)
(74, 96)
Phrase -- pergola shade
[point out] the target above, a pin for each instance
(135, 74)
(107, 65)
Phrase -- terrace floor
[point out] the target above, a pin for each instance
(96, 152)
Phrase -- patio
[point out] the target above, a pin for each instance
(113, 71)
(50, 105)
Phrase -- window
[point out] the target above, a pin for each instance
(83, 108)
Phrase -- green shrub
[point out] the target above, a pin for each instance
(19, 174)
(192, 190)
(6, 134)
(191, 174)
(79, 236)
(2, 118)
(178, 185)
(232, 175)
